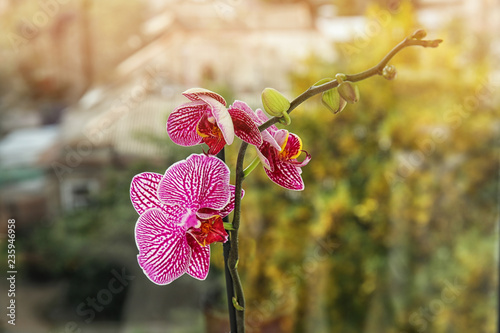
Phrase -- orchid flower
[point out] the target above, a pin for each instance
(278, 152)
(180, 215)
(207, 120)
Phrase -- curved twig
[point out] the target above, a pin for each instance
(239, 300)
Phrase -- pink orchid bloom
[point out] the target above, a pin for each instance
(180, 215)
(278, 152)
(207, 120)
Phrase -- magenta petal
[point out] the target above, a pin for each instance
(263, 118)
(144, 191)
(264, 160)
(207, 213)
(269, 138)
(200, 181)
(286, 175)
(164, 253)
(293, 146)
(182, 122)
(244, 127)
(247, 110)
(230, 206)
(266, 135)
(195, 93)
(222, 118)
(281, 137)
(200, 259)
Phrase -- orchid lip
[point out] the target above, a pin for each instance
(303, 163)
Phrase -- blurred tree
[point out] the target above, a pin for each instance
(400, 198)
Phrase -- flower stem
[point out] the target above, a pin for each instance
(239, 297)
(226, 249)
(248, 170)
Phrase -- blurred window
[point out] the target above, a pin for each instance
(77, 193)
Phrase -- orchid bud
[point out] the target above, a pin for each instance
(349, 92)
(419, 34)
(323, 81)
(274, 102)
(389, 72)
(333, 101)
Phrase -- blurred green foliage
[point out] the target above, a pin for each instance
(396, 229)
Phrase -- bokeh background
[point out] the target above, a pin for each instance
(396, 231)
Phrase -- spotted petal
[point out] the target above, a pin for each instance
(195, 94)
(262, 156)
(258, 120)
(144, 191)
(211, 135)
(245, 127)
(286, 175)
(164, 253)
(293, 146)
(182, 123)
(247, 109)
(200, 181)
(200, 259)
(263, 118)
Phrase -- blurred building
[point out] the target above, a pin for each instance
(239, 46)
(25, 184)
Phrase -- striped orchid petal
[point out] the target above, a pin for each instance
(282, 166)
(259, 117)
(205, 213)
(164, 252)
(183, 122)
(200, 259)
(218, 111)
(200, 181)
(263, 118)
(144, 191)
(197, 93)
(203, 120)
(286, 175)
(245, 127)
(268, 133)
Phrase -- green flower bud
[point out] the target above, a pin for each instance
(323, 81)
(389, 72)
(274, 102)
(349, 91)
(332, 101)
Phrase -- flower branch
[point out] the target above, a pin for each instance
(416, 39)
(378, 69)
